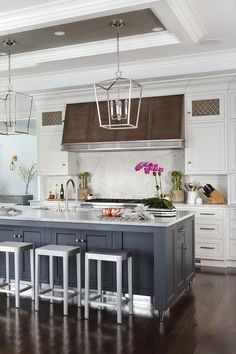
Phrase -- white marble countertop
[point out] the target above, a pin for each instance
(88, 216)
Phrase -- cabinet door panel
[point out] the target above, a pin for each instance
(141, 246)
(206, 148)
(179, 272)
(6, 234)
(50, 157)
(37, 237)
(97, 240)
(232, 144)
(65, 237)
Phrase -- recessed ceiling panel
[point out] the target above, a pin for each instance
(136, 22)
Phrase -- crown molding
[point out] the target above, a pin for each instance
(189, 19)
(30, 59)
(61, 11)
(185, 66)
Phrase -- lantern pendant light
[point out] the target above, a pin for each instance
(15, 107)
(122, 110)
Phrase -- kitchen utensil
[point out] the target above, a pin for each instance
(186, 186)
(191, 186)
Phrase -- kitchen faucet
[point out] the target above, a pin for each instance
(70, 180)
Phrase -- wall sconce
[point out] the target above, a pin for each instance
(13, 160)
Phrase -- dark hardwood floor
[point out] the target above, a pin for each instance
(202, 322)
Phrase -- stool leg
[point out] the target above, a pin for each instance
(130, 287)
(119, 289)
(17, 278)
(32, 272)
(51, 280)
(86, 298)
(99, 279)
(78, 264)
(7, 272)
(65, 285)
(37, 273)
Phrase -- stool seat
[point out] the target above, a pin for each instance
(65, 252)
(57, 250)
(12, 246)
(17, 249)
(108, 254)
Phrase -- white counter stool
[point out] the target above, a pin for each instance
(64, 252)
(17, 248)
(109, 255)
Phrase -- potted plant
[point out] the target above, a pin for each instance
(177, 194)
(158, 201)
(83, 190)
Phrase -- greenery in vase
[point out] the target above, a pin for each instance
(176, 180)
(27, 174)
(159, 201)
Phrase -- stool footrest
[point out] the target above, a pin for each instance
(93, 300)
(8, 291)
(42, 293)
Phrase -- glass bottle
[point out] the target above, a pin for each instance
(56, 192)
(62, 192)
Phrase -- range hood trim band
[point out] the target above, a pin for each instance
(125, 145)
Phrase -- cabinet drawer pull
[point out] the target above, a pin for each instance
(207, 247)
(207, 228)
(77, 240)
(14, 236)
(184, 247)
(207, 214)
(19, 236)
(182, 229)
(82, 240)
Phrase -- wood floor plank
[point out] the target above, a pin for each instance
(201, 322)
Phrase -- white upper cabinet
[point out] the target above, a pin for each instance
(205, 134)
(51, 160)
(205, 108)
(233, 105)
(205, 152)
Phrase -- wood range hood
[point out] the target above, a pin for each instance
(160, 127)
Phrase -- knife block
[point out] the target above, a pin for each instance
(216, 198)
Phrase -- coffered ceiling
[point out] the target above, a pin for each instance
(193, 37)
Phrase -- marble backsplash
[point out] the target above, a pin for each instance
(113, 174)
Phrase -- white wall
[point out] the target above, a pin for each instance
(24, 146)
(113, 174)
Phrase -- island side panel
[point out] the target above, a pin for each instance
(141, 246)
(173, 262)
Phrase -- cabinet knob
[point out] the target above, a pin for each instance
(184, 247)
(19, 236)
(14, 236)
(63, 164)
(182, 229)
(189, 112)
(82, 240)
(77, 240)
(189, 162)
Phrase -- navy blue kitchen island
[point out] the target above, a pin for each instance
(162, 249)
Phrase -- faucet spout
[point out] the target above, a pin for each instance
(69, 181)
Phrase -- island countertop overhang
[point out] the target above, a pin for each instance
(85, 219)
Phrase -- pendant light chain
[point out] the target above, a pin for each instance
(118, 51)
(9, 68)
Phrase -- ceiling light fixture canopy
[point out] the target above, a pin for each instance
(15, 107)
(122, 109)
